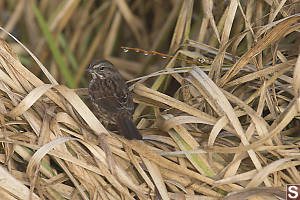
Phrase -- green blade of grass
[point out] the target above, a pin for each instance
(64, 70)
(70, 56)
(72, 59)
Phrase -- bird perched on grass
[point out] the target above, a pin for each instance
(111, 98)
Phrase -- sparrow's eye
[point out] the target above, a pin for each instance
(99, 67)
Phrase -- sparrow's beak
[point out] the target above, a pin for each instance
(89, 68)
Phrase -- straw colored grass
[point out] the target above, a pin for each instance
(227, 128)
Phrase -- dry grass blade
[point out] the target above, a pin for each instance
(157, 178)
(82, 109)
(34, 163)
(296, 82)
(185, 141)
(216, 86)
(253, 192)
(147, 153)
(49, 76)
(14, 187)
(275, 34)
(180, 26)
(152, 94)
(260, 73)
(263, 173)
(133, 21)
(29, 100)
(223, 104)
(208, 5)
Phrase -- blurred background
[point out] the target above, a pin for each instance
(67, 35)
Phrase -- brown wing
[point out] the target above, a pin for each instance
(112, 95)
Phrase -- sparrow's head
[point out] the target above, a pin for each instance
(101, 69)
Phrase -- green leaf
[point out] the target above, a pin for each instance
(64, 70)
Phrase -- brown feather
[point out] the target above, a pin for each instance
(111, 98)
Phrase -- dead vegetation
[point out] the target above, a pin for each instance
(221, 122)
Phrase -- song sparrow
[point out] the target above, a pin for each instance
(111, 98)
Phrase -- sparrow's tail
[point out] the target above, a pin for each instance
(128, 129)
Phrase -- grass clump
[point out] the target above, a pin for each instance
(219, 117)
